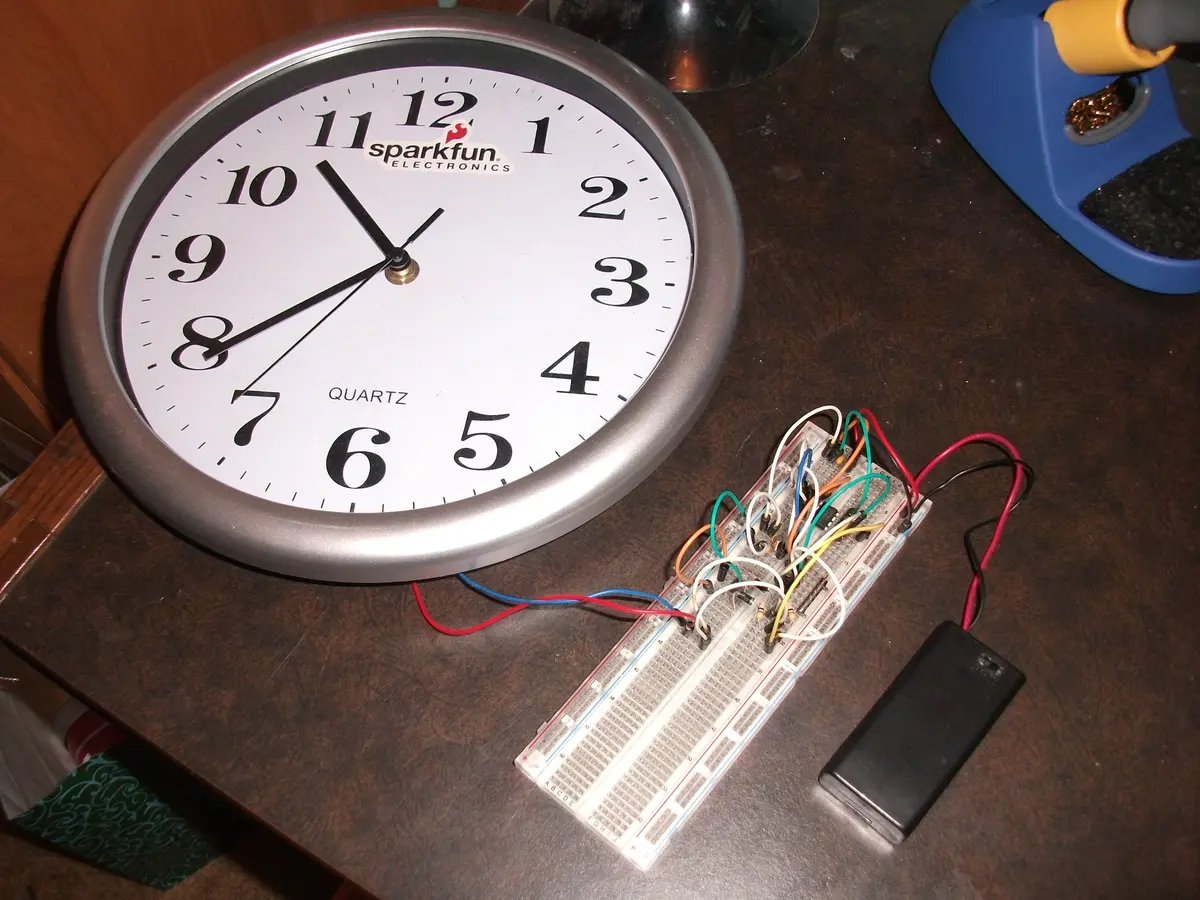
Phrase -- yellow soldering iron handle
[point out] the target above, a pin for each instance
(1092, 39)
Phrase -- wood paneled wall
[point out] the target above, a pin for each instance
(78, 80)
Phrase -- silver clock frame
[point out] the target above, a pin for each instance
(459, 536)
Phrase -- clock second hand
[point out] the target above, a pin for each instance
(375, 270)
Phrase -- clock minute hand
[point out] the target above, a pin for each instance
(262, 326)
(356, 209)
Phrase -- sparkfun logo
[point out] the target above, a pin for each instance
(453, 153)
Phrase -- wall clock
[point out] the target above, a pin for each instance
(402, 296)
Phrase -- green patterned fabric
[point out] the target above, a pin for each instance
(126, 811)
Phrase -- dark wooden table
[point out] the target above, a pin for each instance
(887, 267)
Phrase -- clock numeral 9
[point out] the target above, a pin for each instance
(637, 293)
(258, 185)
(360, 133)
(340, 456)
(211, 260)
(616, 190)
(504, 450)
(465, 102)
(578, 376)
(202, 342)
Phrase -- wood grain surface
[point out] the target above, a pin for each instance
(886, 267)
(43, 499)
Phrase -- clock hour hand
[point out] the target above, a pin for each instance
(352, 281)
(356, 209)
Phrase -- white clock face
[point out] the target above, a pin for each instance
(545, 291)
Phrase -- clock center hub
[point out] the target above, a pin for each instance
(402, 268)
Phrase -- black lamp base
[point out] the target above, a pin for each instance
(695, 45)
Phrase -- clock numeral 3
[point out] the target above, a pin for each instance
(203, 342)
(616, 188)
(464, 101)
(246, 432)
(541, 127)
(504, 450)
(578, 376)
(211, 260)
(258, 184)
(637, 293)
(360, 132)
(340, 455)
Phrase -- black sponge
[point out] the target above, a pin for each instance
(1155, 204)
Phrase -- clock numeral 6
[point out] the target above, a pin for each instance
(616, 190)
(211, 260)
(203, 342)
(340, 458)
(246, 432)
(504, 450)
(637, 293)
(578, 376)
(258, 185)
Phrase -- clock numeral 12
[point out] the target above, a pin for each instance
(504, 450)
(246, 432)
(360, 133)
(578, 376)
(258, 185)
(465, 102)
(340, 455)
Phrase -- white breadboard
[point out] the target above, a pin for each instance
(634, 751)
